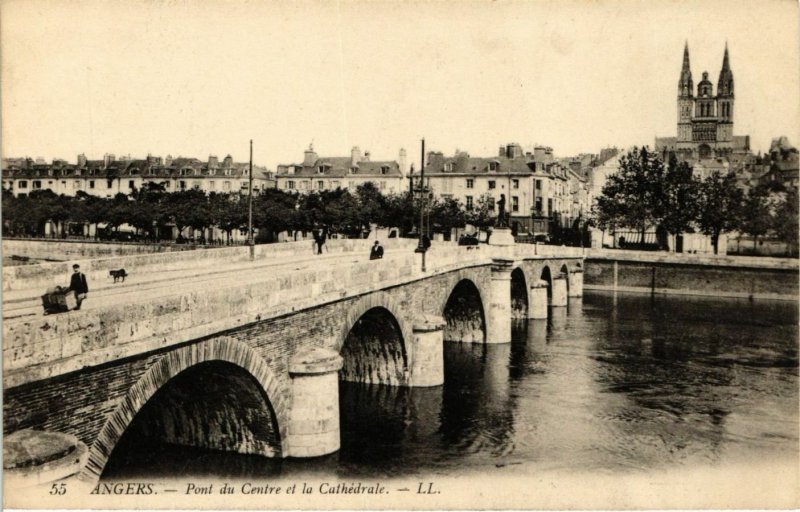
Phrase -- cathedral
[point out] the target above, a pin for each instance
(705, 120)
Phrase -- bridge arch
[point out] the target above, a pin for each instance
(519, 294)
(547, 276)
(215, 355)
(565, 273)
(464, 314)
(374, 342)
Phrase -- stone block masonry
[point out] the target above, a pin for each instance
(757, 278)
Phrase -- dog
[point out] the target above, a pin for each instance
(118, 274)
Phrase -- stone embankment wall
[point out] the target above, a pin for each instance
(765, 278)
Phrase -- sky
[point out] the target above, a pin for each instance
(203, 77)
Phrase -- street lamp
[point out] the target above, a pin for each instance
(250, 206)
(422, 246)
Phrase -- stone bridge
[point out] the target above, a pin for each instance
(245, 356)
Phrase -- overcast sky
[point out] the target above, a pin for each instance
(202, 77)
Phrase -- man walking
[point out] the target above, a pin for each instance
(77, 283)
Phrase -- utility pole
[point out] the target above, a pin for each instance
(250, 241)
(421, 247)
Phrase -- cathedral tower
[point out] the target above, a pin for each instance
(685, 99)
(725, 100)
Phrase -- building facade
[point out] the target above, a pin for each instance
(705, 120)
(538, 190)
(111, 176)
(317, 173)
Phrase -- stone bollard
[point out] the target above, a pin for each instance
(428, 365)
(538, 306)
(576, 283)
(314, 418)
(559, 293)
(498, 317)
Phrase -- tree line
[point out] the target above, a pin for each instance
(152, 212)
(646, 193)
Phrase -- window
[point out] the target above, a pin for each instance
(76, 184)
(550, 206)
(226, 186)
(469, 202)
(514, 203)
(539, 205)
(197, 184)
(320, 185)
(491, 184)
(384, 169)
(470, 183)
(514, 183)
(212, 185)
(538, 184)
(351, 184)
(491, 204)
(335, 184)
(64, 183)
(22, 184)
(290, 184)
(382, 185)
(109, 183)
(37, 184)
(493, 166)
(182, 185)
(448, 167)
(91, 183)
(130, 184)
(305, 185)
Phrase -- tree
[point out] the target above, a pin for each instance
(447, 213)
(633, 196)
(756, 217)
(720, 205)
(179, 207)
(481, 215)
(678, 206)
(401, 212)
(785, 220)
(371, 205)
(228, 212)
(274, 211)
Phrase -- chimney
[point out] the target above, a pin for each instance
(309, 157)
(501, 151)
(513, 150)
(168, 161)
(108, 158)
(366, 156)
(355, 156)
(213, 162)
(402, 161)
(82, 160)
(227, 161)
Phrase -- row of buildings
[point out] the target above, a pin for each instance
(540, 192)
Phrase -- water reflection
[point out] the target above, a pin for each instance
(611, 383)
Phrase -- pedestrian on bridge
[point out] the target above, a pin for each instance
(78, 284)
(377, 251)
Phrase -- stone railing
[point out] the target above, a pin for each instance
(41, 276)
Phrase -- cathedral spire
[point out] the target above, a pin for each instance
(685, 84)
(725, 82)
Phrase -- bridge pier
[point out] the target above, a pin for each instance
(428, 366)
(559, 293)
(537, 309)
(314, 416)
(498, 317)
(576, 283)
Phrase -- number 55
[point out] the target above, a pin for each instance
(58, 489)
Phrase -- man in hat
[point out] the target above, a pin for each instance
(77, 283)
(377, 251)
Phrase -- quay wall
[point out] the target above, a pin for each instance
(630, 271)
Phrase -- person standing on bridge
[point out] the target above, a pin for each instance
(78, 284)
(377, 251)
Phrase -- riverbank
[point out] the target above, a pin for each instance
(686, 274)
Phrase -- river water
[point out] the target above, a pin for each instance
(624, 383)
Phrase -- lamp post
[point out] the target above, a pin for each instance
(250, 206)
(422, 247)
